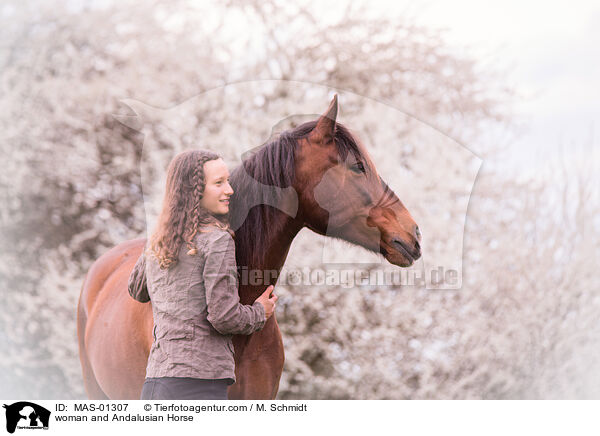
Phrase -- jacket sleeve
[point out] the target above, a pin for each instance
(137, 285)
(225, 312)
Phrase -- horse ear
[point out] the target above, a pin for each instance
(324, 131)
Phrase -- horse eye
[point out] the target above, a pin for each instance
(358, 168)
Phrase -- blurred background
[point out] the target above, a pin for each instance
(481, 117)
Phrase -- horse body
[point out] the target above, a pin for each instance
(115, 331)
(331, 184)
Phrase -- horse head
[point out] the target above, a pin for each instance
(341, 194)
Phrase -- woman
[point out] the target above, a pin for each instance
(191, 280)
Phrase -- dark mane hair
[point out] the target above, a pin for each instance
(272, 165)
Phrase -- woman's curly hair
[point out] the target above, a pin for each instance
(182, 217)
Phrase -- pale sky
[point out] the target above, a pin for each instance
(551, 51)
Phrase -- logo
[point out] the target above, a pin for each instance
(26, 415)
(426, 166)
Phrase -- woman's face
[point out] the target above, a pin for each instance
(217, 190)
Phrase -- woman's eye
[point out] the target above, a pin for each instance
(358, 168)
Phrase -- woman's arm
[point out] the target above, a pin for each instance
(137, 285)
(225, 312)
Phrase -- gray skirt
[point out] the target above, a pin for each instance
(184, 388)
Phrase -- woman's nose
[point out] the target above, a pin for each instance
(228, 189)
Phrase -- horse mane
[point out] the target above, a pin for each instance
(273, 164)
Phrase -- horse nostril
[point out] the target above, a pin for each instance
(417, 232)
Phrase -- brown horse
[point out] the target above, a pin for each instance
(335, 191)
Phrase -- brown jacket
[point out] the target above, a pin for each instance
(196, 309)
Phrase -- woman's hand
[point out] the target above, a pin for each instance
(268, 301)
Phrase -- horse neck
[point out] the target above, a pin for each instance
(276, 249)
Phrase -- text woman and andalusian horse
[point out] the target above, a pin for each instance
(335, 191)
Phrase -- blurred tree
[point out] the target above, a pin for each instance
(70, 187)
